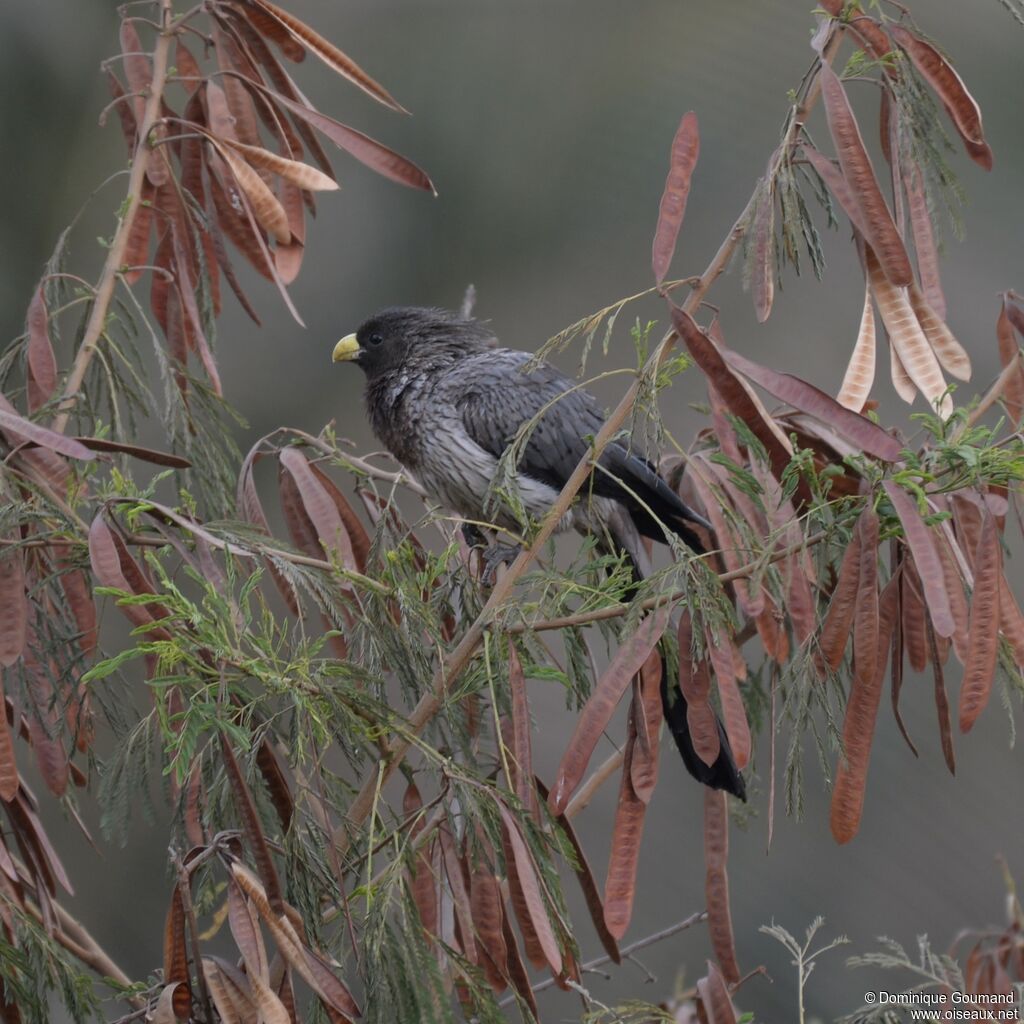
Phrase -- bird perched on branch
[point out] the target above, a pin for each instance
(447, 401)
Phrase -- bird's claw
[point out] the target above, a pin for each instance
(473, 536)
(494, 557)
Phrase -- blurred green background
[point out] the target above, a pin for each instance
(546, 128)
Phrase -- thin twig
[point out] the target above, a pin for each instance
(64, 275)
(74, 937)
(114, 102)
(425, 835)
(118, 247)
(613, 611)
(192, 929)
(990, 397)
(626, 951)
(138, 1014)
(601, 774)
(352, 461)
(259, 551)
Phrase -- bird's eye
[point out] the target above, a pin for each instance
(376, 339)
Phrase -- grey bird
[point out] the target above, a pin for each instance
(447, 401)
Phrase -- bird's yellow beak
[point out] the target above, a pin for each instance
(346, 350)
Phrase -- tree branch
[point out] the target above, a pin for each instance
(614, 611)
(649, 940)
(604, 771)
(994, 393)
(74, 937)
(115, 255)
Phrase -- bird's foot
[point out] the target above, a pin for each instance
(494, 557)
(473, 536)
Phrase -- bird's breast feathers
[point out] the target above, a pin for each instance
(459, 475)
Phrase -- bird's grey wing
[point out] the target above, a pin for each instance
(497, 399)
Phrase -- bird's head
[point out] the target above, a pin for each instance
(396, 337)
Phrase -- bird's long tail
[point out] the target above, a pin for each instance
(723, 773)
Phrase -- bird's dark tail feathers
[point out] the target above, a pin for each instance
(653, 506)
(723, 774)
